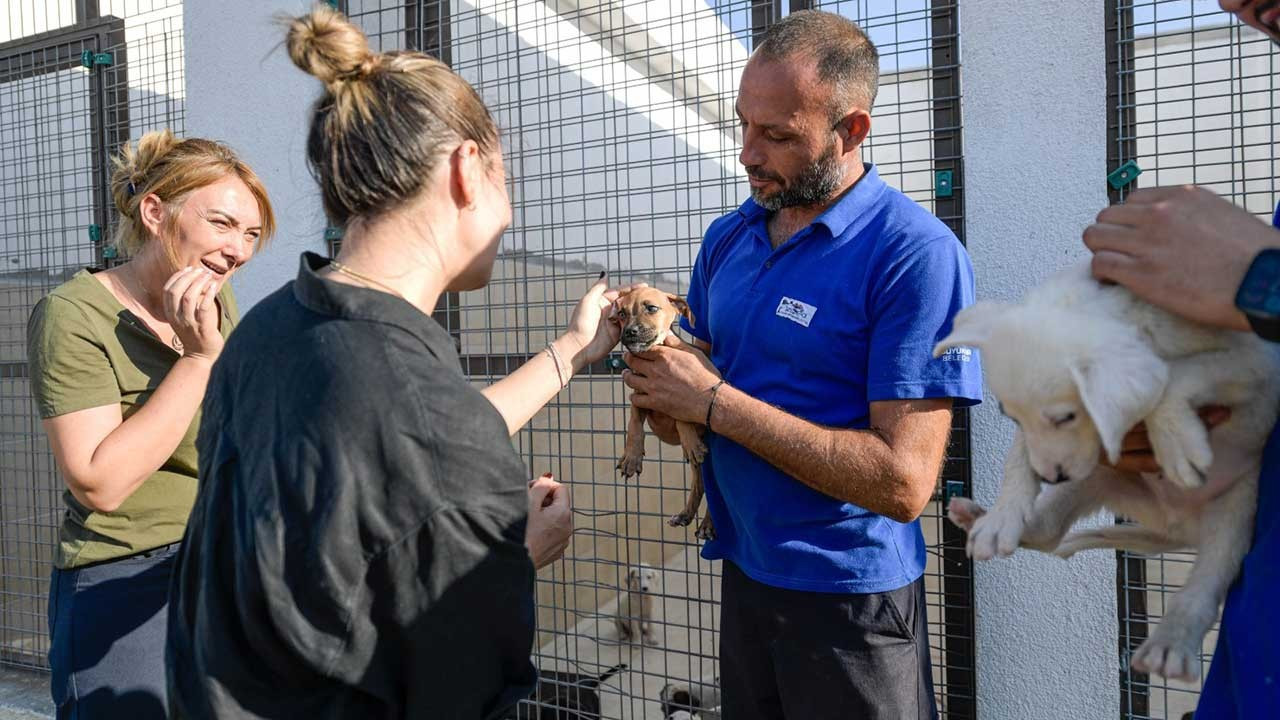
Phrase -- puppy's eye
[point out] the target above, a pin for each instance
(622, 314)
(651, 308)
(1063, 419)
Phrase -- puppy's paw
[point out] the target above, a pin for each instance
(680, 519)
(1170, 652)
(706, 530)
(695, 454)
(996, 533)
(631, 464)
(963, 512)
(650, 637)
(1181, 447)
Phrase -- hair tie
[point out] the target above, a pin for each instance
(132, 190)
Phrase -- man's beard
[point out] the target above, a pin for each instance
(815, 184)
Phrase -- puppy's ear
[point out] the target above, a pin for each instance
(1119, 388)
(972, 326)
(682, 307)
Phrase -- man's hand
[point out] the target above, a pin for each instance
(1261, 14)
(550, 521)
(1182, 248)
(1136, 455)
(671, 381)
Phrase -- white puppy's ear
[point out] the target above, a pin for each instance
(1119, 389)
(972, 326)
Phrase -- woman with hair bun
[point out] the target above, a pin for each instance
(119, 360)
(365, 538)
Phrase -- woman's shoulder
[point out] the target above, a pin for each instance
(75, 301)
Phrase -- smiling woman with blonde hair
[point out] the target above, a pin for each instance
(119, 360)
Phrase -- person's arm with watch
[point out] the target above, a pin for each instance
(1195, 254)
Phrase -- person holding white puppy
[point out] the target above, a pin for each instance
(1195, 254)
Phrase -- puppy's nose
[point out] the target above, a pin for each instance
(1061, 476)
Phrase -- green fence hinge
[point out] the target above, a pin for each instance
(951, 489)
(95, 234)
(1124, 174)
(332, 233)
(942, 183)
(91, 59)
(614, 362)
(109, 252)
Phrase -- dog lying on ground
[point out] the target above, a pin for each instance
(635, 612)
(683, 700)
(565, 696)
(1076, 365)
(646, 316)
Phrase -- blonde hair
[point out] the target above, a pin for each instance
(173, 169)
(385, 120)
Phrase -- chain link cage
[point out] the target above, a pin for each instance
(1191, 98)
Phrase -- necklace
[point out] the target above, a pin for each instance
(174, 342)
(339, 267)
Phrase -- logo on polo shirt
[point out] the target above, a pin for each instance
(796, 311)
(958, 354)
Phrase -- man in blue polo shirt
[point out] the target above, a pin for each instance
(819, 302)
(1189, 251)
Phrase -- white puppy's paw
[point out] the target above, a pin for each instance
(996, 533)
(963, 512)
(1181, 446)
(1170, 652)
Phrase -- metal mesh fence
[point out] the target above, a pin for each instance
(77, 78)
(621, 147)
(1191, 98)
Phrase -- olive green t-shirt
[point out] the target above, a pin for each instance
(85, 350)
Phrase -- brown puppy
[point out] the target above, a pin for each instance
(646, 315)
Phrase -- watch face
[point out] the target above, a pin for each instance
(1260, 291)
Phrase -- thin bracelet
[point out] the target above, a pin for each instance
(711, 406)
(555, 358)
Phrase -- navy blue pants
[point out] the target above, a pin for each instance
(107, 627)
(821, 656)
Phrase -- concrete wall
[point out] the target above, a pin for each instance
(1035, 171)
(244, 90)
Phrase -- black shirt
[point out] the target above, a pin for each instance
(356, 548)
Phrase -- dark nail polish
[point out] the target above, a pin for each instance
(602, 274)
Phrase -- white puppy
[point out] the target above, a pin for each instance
(635, 612)
(1076, 365)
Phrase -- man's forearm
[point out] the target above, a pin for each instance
(857, 466)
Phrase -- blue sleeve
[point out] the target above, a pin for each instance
(697, 298)
(912, 306)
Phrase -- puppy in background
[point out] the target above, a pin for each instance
(646, 315)
(635, 612)
(685, 700)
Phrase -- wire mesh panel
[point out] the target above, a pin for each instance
(76, 78)
(1191, 96)
(621, 147)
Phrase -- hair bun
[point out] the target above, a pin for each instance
(325, 44)
(132, 166)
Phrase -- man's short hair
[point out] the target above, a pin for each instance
(846, 59)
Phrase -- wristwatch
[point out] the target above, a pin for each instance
(1259, 295)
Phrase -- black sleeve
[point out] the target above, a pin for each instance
(452, 616)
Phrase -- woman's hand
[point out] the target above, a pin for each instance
(593, 332)
(191, 309)
(550, 521)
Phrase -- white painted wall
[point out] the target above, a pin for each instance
(1035, 172)
(243, 90)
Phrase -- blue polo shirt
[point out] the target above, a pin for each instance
(843, 314)
(1244, 679)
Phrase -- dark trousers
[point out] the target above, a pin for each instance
(812, 656)
(107, 626)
